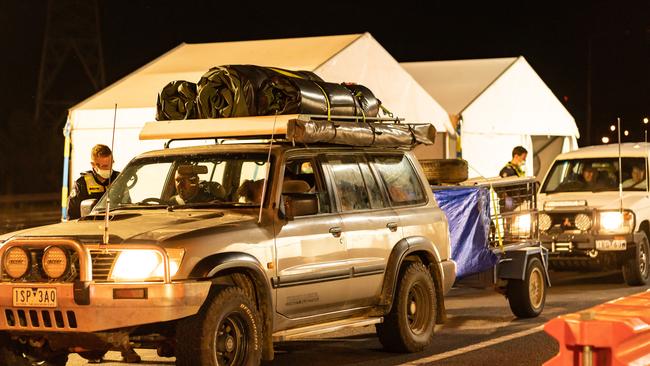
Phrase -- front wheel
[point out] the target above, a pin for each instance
(13, 353)
(635, 270)
(410, 324)
(527, 297)
(226, 332)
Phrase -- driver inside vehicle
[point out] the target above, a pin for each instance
(189, 189)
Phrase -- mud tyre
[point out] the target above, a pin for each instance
(15, 354)
(225, 332)
(528, 296)
(635, 270)
(440, 171)
(410, 324)
(93, 356)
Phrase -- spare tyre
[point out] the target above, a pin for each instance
(440, 171)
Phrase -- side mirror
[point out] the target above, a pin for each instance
(300, 204)
(87, 206)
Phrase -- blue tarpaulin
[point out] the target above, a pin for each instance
(468, 213)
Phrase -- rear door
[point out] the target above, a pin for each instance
(370, 226)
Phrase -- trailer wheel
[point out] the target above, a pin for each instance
(410, 324)
(527, 297)
(16, 354)
(444, 170)
(225, 332)
(635, 270)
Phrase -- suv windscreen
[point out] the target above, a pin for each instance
(228, 178)
(595, 175)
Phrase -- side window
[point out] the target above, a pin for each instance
(401, 181)
(302, 175)
(354, 183)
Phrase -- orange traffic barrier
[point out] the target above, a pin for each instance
(611, 334)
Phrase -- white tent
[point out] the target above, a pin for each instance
(357, 58)
(499, 103)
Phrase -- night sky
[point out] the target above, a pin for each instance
(554, 37)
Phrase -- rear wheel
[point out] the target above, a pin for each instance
(527, 297)
(226, 332)
(410, 324)
(635, 270)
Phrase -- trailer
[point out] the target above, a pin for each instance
(494, 235)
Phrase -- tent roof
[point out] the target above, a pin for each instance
(190, 61)
(455, 84)
(357, 58)
(495, 96)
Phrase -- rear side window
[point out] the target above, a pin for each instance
(355, 186)
(401, 182)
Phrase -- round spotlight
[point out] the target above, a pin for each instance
(55, 262)
(605, 140)
(544, 222)
(16, 262)
(583, 222)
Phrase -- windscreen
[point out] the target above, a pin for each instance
(227, 178)
(596, 175)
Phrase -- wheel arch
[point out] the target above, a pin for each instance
(411, 249)
(225, 268)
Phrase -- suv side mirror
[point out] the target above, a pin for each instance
(87, 206)
(299, 204)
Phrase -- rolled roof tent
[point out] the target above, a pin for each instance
(502, 103)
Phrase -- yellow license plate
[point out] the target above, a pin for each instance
(39, 297)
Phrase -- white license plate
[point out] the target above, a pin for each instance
(616, 244)
(38, 297)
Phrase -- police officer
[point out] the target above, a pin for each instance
(92, 183)
(514, 166)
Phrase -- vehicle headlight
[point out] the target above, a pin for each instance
(55, 262)
(614, 222)
(583, 222)
(520, 226)
(145, 264)
(16, 262)
(544, 222)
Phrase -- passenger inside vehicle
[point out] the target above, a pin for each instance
(637, 178)
(250, 191)
(190, 190)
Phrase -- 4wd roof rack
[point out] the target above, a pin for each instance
(298, 128)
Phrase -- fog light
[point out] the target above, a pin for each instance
(16, 262)
(583, 222)
(55, 262)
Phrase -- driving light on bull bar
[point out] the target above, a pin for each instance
(55, 262)
(521, 226)
(16, 262)
(144, 264)
(615, 222)
(583, 222)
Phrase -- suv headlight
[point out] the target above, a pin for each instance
(144, 264)
(615, 222)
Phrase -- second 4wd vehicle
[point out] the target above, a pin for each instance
(588, 221)
(208, 261)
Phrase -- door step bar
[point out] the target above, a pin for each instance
(324, 328)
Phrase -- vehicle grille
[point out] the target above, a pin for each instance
(40, 319)
(565, 221)
(102, 263)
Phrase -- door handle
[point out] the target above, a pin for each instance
(336, 231)
(392, 226)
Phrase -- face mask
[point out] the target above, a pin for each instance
(104, 173)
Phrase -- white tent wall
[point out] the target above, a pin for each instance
(486, 154)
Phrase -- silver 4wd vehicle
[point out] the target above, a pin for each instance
(587, 222)
(210, 262)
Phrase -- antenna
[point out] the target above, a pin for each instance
(268, 168)
(108, 197)
(620, 167)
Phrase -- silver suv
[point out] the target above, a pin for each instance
(196, 269)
